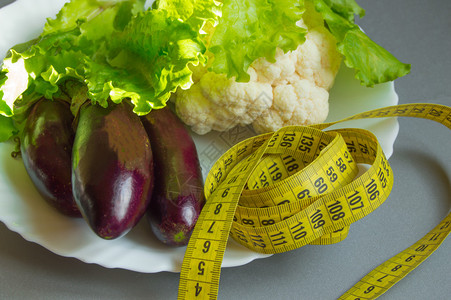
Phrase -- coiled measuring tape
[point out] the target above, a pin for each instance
(300, 185)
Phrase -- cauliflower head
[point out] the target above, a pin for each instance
(294, 90)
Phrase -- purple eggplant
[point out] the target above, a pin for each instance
(46, 148)
(178, 195)
(112, 168)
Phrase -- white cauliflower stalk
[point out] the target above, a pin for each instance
(294, 90)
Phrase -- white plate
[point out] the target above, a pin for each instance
(23, 210)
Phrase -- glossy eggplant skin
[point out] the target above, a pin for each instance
(46, 149)
(112, 168)
(178, 195)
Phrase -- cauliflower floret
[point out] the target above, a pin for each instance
(218, 103)
(300, 103)
(291, 91)
(273, 73)
(323, 66)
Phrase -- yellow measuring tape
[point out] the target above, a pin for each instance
(300, 185)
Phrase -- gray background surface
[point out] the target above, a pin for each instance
(415, 31)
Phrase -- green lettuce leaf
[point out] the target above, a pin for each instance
(194, 12)
(74, 13)
(250, 29)
(145, 62)
(39, 69)
(346, 8)
(114, 48)
(372, 63)
(7, 128)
